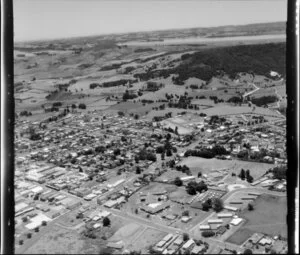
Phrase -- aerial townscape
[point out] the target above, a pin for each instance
(161, 142)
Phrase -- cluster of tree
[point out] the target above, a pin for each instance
(215, 119)
(25, 113)
(264, 100)
(57, 104)
(82, 106)
(128, 95)
(153, 86)
(216, 204)
(128, 69)
(208, 233)
(184, 102)
(94, 85)
(243, 154)
(178, 181)
(235, 100)
(207, 153)
(158, 118)
(167, 149)
(89, 233)
(194, 86)
(147, 101)
(111, 67)
(193, 187)
(245, 175)
(165, 73)
(35, 137)
(184, 169)
(216, 99)
(145, 155)
(279, 172)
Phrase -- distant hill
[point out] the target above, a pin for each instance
(221, 31)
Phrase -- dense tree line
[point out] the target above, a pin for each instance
(207, 153)
(116, 83)
(25, 113)
(205, 64)
(279, 172)
(262, 101)
(143, 50)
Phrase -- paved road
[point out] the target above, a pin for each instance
(144, 222)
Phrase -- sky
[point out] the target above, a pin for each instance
(51, 19)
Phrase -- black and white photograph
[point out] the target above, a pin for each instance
(151, 127)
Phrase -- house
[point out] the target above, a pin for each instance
(265, 241)
(254, 239)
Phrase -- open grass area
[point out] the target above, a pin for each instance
(226, 109)
(268, 217)
(61, 239)
(206, 166)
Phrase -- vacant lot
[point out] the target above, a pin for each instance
(268, 217)
(57, 240)
(127, 234)
(147, 238)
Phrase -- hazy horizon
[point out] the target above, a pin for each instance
(42, 20)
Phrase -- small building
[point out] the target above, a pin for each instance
(215, 221)
(204, 227)
(230, 208)
(225, 215)
(179, 241)
(185, 219)
(236, 221)
(198, 249)
(189, 245)
(254, 239)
